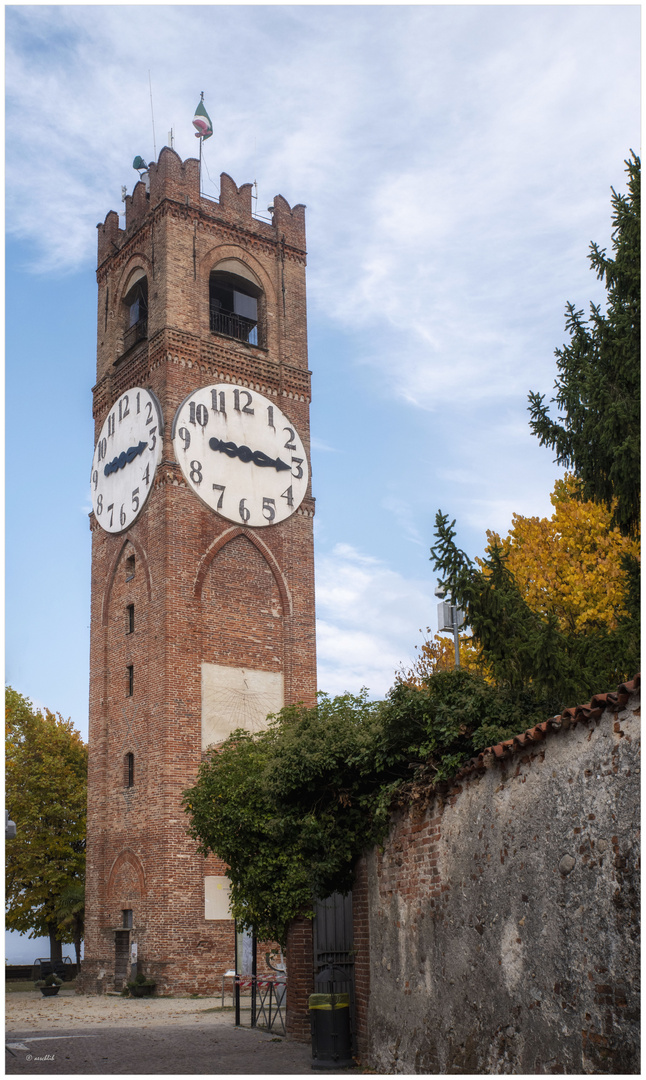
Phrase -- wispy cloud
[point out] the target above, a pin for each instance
(369, 620)
(325, 448)
(444, 153)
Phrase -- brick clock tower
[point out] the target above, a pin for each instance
(202, 549)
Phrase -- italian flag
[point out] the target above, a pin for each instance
(202, 121)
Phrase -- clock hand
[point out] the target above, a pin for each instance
(124, 458)
(246, 454)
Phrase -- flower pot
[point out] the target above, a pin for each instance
(49, 991)
(142, 991)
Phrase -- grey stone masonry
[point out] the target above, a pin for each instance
(504, 917)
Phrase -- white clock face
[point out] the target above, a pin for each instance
(240, 454)
(125, 459)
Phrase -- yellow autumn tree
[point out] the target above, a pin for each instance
(570, 565)
(438, 654)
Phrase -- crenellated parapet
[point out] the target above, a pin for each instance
(109, 235)
(137, 206)
(289, 222)
(177, 182)
(235, 202)
(172, 178)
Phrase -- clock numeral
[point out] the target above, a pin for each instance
(126, 408)
(270, 416)
(290, 444)
(198, 414)
(221, 488)
(185, 436)
(138, 404)
(297, 461)
(245, 408)
(103, 449)
(135, 498)
(154, 437)
(111, 508)
(270, 505)
(122, 516)
(196, 472)
(149, 418)
(95, 478)
(99, 506)
(288, 495)
(111, 423)
(215, 394)
(146, 475)
(244, 511)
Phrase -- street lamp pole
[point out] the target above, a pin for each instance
(449, 619)
(455, 615)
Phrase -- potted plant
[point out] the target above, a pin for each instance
(141, 987)
(50, 986)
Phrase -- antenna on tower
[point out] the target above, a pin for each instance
(170, 138)
(150, 85)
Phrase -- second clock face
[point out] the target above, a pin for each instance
(125, 459)
(240, 454)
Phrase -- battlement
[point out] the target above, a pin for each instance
(177, 180)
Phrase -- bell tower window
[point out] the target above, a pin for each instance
(136, 314)
(234, 307)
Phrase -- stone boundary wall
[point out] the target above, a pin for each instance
(498, 928)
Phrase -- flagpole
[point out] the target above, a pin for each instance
(202, 121)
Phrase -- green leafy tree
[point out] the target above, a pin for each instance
(71, 912)
(597, 389)
(290, 809)
(46, 793)
(269, 805)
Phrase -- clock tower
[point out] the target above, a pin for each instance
(202, 552)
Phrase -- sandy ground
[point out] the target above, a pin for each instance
(30, 1011)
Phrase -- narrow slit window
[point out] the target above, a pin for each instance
(130, 619)
(130, 567)
(130, 680)
(129, 770)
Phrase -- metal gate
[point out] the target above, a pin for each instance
(267, 993)
(334, 949)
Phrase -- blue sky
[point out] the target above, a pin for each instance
(455, 161)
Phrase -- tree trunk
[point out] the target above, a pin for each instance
(55, 946)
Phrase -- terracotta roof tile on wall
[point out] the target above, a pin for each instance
(568, 718)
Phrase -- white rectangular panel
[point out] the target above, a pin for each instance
(216, 897)
(237, 698)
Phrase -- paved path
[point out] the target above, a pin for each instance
(75, 1034)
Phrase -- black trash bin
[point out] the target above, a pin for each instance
(330, 1025)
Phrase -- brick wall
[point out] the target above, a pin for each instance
(361, 936)
(503, 919)
(202, 590)
(300, 978)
